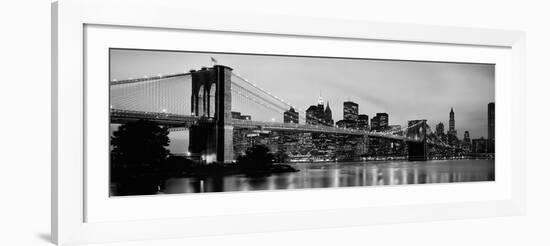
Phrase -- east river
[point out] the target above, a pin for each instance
(343, 174)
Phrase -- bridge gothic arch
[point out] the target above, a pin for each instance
(200, 101)
(212, 100)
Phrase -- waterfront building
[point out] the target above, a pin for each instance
(239, 116)
(291, 116)
(318, 115)
(351, 111)
(375, 123)
(363, 122)
(383, 121)
(311, 115)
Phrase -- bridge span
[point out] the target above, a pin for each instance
(186, 121)
(202, 102)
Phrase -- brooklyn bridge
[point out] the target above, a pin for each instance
(202, 102)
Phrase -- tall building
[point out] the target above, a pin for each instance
(383, 121)
(375, 123)
(452, 130)
(311, 117)
(491, 121)
(291, 116)
(351, 110)
(440, 129)
(466, 143)
(321, 104)
(318, 115)
(328, 116)
(467, 136)
(363, 122)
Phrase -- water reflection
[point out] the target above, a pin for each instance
(342, 174)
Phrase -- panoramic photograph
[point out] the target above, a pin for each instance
(200, 122)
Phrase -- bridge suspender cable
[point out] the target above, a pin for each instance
(146, 79)
(278, 99)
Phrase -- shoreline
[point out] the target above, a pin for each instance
(367, 161)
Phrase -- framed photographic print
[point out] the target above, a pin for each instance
(211, 129)
(172, 125)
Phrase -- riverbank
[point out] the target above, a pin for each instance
(234, 169)
(383, 159)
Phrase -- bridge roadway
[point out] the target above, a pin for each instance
(185, 121)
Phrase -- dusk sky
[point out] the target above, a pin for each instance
(405, 90)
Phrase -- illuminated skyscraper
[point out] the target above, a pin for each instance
(318, 115)
(351, 110)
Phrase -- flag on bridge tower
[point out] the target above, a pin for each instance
(214, 61)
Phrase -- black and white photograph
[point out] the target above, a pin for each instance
(199, 122)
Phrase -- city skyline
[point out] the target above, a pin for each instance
(346, 117)
(435, 87)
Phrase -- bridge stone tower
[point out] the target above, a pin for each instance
(212, 137)
(417, 150)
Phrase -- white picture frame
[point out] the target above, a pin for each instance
(76, 217)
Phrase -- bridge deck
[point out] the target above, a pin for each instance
(172, 120)
(185, 121)
(277, 126)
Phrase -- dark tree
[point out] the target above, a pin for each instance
(257, 155)
(138, 157)
(140, 143)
